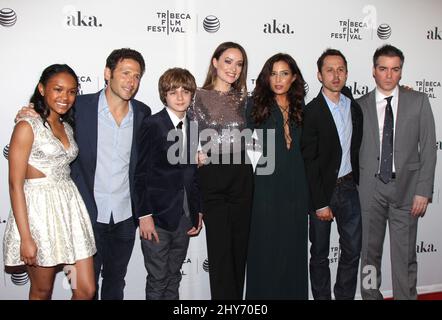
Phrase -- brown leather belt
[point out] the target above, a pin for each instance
(347, 177)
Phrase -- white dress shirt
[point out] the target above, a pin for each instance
(175, 121)
(381, 104)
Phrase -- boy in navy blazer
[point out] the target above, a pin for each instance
(167, 196)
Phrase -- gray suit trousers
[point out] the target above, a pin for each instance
(163, 261)
(403, 231)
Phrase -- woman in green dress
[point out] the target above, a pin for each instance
(277, 257)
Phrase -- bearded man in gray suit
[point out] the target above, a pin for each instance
(397, 164)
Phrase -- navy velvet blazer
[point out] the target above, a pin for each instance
(159, 185)
(86, 128)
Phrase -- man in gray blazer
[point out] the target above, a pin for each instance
(397, 164)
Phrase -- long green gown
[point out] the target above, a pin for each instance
(277, 266)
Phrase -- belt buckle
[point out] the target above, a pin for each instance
(339, 181)
(343, 178)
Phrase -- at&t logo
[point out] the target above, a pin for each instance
(6, 151)
(206, 265)
(306, 87)
(20, 278)
(8, 17)
(384, 31)
(211, 24)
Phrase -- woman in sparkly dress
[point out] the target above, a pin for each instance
(49, 224)
(277, 261)
(226, 180)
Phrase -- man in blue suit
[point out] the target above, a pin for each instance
(167, 196)
(107, 133)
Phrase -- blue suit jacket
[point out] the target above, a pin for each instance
(86, 128)
(159, 185)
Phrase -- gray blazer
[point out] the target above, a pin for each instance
(414, 148)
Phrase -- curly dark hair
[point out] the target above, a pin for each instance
(38, 100)
(264, 98)
(118, 55)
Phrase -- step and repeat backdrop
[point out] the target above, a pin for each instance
(184, 33)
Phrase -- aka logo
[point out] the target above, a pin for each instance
(78, 19)
(278, 28)
(428, 87)
(170, 22)
(434, 34)
(357, 89)
(423, 247)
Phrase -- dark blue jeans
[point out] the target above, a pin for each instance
(115, 243)
(347, 211)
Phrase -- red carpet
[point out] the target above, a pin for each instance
(430, 296)
(427, 296)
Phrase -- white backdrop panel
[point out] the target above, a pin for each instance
(170, 33)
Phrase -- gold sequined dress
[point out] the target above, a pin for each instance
(58, 219)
